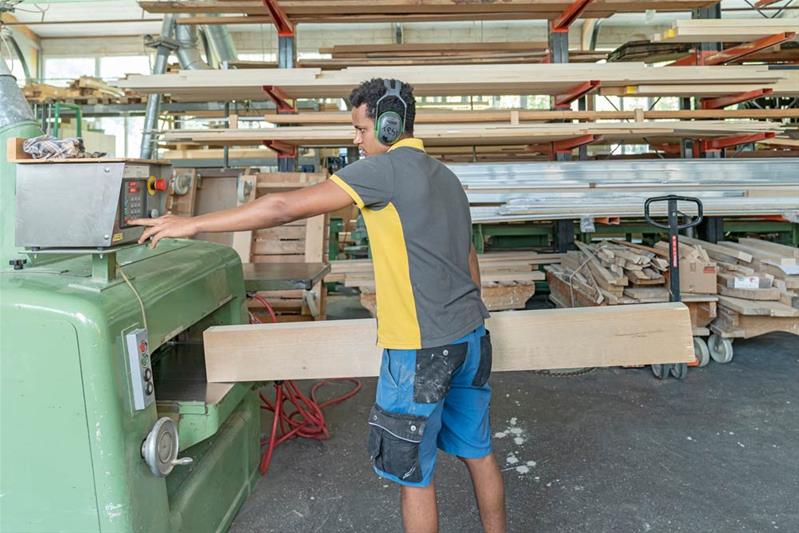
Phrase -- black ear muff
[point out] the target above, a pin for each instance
(389, 125)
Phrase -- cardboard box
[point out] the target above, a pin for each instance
(697, 276)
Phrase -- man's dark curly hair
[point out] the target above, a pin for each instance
(369, 92)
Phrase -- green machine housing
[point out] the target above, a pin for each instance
(108, 424)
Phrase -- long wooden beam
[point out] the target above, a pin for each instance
(432, 116)
(20, 27)
(451, 80)
(522, 340)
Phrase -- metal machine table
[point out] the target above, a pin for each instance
(282, 276)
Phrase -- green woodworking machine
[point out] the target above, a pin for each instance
(108, 424)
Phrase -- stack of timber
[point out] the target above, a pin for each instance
(508, 278)
(631, 79)
(725, 30)
(83, 90)
(342, 11)
(428, 115)
(302, 241)
(619, 273)
(533, 137)
(608, 273)
(758, 284)
(343, 56)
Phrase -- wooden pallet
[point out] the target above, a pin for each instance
(302, 241)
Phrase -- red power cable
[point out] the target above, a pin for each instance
(308, 419)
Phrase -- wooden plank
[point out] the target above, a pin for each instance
(725, 30)
(771, 247)
(759, 308)
(523, 340)
(750, 294)
(242, 240)
(506, 297)
(432, 116)
(314, 248)
(453, 80)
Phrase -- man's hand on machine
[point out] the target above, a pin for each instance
(165, 226)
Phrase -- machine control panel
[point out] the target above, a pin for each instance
(141, 372)
(134, 201)
(87, 204)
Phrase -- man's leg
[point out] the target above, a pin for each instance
(419, 511)
(489, 492)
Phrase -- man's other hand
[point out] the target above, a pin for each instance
(165, 226)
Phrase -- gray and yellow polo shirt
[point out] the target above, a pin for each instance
(419, 226)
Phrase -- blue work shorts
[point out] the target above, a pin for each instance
(430, 399)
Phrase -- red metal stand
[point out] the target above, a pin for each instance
(765, 3)
(569, 15)
(283, 150)
(734, 53)
(720, 143)
(284, 26)
(564, 146)
(280, 99)
(564, 101)
(721, 102)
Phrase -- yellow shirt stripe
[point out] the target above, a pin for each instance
(397, 323)
(349, 190)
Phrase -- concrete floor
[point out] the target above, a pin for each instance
(614, 450)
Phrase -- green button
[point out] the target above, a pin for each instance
(145, 360)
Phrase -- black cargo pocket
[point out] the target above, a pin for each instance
(394, 443)
(434, 369)
(484, 369)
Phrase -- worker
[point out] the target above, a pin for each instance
(433, 391)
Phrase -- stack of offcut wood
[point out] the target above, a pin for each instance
(608, 273)
(83, 90)
(508, 278)
(758, 285)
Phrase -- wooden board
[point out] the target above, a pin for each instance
(431, 116)
(463, 134)
(522, 340)
(758, 308)
(725, 30)
(453, 80)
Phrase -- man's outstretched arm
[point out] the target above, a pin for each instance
(265, 212)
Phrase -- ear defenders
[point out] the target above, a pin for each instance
(389, 125)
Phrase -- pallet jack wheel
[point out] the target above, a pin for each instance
(679, 370)
(701, 351)
(660, 371)
(720, 348)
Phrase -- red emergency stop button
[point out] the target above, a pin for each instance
(160, 184)
(142, 346)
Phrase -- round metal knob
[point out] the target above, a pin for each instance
(160, 449)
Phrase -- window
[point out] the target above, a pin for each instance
(62, 70)
(116, 67)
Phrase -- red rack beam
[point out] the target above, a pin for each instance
(721, 102)
(283, 149)
(564, 145)
(734, 140)
(569, 15)
(734, 53)
(280, 99)
(285, 28)
(743, 50)
(563, 101)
